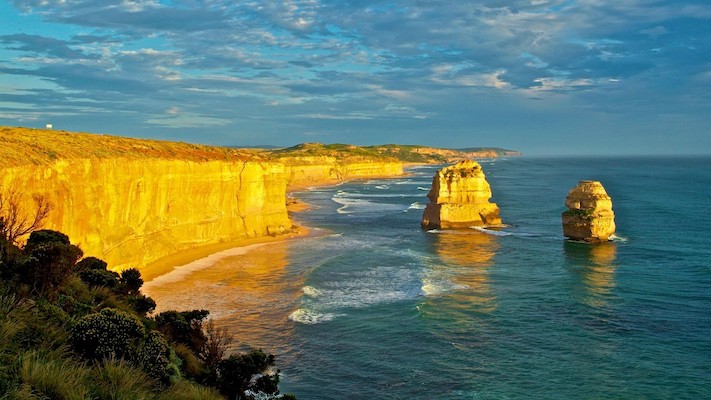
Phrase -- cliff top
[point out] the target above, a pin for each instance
(21, 146)
(404, 153)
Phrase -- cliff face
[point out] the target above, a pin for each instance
(589, 216)
(132, 212)
(307, 171)
(460, 198)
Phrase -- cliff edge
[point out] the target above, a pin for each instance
(460, 199)
(589, 216)
(131, 201)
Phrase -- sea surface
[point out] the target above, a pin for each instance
(372, 307)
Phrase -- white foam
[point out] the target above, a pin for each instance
(382, 187)
(309, 317)
(434, 287)
(619, 239)
(416, 206)
(311, 291)
(491, 232)
(422, 188)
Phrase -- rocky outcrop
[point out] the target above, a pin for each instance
(132, 212)
(589, 216)
(460, 199)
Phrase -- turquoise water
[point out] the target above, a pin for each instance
(375, 308)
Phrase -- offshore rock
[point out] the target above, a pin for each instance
(460, 199)
(589, 217)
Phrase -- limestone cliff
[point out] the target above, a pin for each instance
(460, 198)
(132, 212)
(304, 171)
(131, 201)
(589, 216)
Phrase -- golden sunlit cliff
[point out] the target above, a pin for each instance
(131, 201)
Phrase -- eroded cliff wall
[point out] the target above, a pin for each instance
(131, 212)
(305, 171)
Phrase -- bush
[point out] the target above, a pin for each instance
(46, 236)
(109, 333)
(97, 277)
(236, 373)
(90, 263)
(184, 327)
(131, 280)
(49, 261)
(142, 304)
(158, 359)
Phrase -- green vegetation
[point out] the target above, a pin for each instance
(402, 153)
(23, 146)
(580, 213)
(71, 329)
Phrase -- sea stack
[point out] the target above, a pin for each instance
(589, 217)
(460, 199)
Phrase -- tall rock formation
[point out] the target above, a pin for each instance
(460, 199)
(589, 217)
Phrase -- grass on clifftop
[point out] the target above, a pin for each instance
(21, 146)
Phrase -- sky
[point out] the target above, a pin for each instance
(539, 76)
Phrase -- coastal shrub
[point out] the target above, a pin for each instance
(110, 333)
(247, 372)
(186, 390)
(142, 304)
(131, 280)
(48, 262)
(46, 236)
(158, 359)
(89, 263)
(183, 327)
(97, 277)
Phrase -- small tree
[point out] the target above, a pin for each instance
(48, 262)
(184, 327)
(16, 222)
(131, 280)
(241, 376)
(215, 347)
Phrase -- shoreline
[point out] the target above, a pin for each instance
(166, 265)
(294, 205)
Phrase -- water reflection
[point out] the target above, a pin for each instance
(463, 274)
(595, 265)
(247, 292)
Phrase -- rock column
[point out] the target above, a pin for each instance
(460, 199)
(589, 217)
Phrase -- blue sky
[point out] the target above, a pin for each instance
(541, 76)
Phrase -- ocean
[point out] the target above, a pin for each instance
(371, 307)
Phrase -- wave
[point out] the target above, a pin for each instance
(491, 232)
(423, 188)
(382, 187)
(310, 317)
(311, 291)
(416, 206)
(434, 287)
(618, 239)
